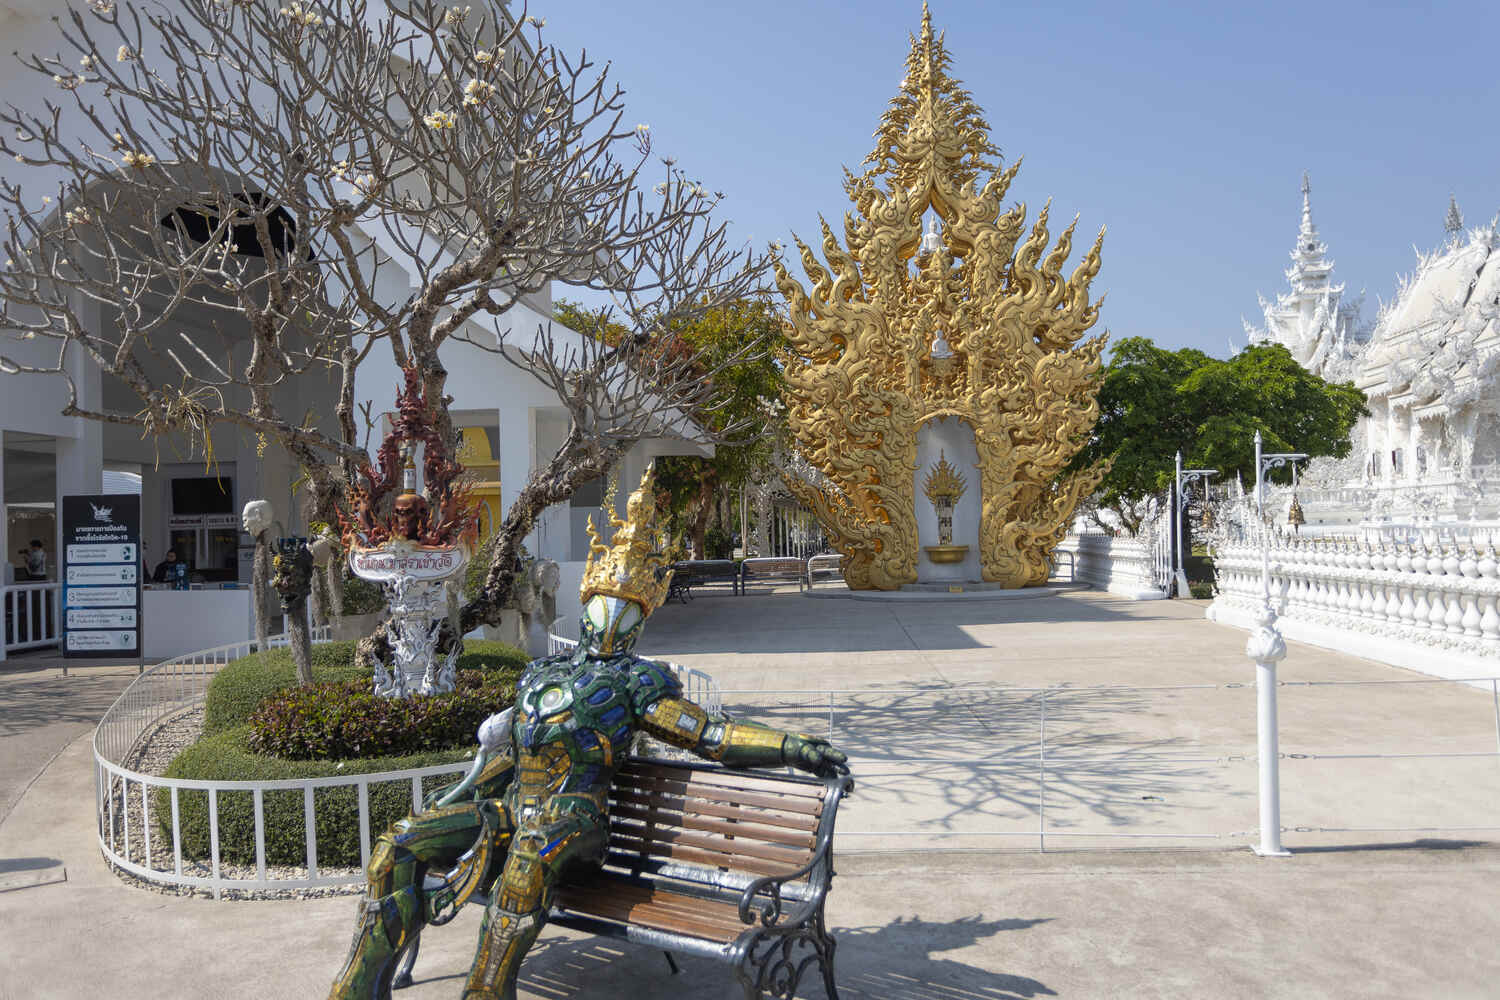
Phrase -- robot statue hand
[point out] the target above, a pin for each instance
(810, 753)
(494, 734)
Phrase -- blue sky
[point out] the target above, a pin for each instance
(1184, 128)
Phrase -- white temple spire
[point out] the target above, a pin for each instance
(1454, 223)
(1311, 319)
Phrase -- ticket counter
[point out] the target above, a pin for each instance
(180, 621)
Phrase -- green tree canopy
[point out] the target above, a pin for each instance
(1155, 402)
(737, 346)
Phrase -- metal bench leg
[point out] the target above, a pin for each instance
(826, 961)
(671, 963)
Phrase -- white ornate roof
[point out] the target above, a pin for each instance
(1437, 346)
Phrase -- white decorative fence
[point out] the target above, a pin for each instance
(1424, 606)
(125, 798)
(33, 616)
(1131, 567)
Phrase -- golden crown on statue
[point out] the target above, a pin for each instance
(633, 565)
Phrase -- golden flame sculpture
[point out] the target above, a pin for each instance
(974, 323)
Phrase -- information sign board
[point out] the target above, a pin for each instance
(102, 575)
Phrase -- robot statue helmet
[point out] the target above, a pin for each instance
(625, 580)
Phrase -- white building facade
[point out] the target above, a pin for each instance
(1429, 452)
(191, 503)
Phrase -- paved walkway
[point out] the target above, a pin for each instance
(1352, 914)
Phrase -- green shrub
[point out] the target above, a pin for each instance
(1201, 591)
(343, 720)
(226, 756)
(239, 688)
(361, 597)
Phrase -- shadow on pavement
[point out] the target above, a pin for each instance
(900, 960)
(732, 624)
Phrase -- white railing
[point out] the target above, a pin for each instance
(1129, 567)
(33, 616)
(1428, 607)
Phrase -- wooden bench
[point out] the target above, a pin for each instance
(723, 864)
(702, 573)
(770, 569)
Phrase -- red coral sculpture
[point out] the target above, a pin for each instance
(451, 517)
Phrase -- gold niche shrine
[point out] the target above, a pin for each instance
(965, 339)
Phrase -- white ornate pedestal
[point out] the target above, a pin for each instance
(414, 578)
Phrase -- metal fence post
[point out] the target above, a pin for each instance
(1266, 647)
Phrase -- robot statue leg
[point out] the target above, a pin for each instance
(540, 852)
(394, 909)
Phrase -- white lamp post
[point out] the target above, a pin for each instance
(1267, 648)
(1184, 479)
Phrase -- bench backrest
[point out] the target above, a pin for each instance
(773, 566)
(706, 568)
(732, 826)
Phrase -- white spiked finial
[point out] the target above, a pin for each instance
(1454, 222)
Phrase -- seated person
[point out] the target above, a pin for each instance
(166, 570)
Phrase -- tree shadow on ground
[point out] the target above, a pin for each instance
(971, 759)
(29, 700)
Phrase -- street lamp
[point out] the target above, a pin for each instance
(1267, 648)
(1184, 479)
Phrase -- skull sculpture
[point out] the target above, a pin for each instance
(410, 516)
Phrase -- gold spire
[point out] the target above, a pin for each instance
(943, 480)
(862, 374)
(632, 565)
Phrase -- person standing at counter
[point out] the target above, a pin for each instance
(36, 560)
(166, 570)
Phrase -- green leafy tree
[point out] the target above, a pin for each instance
(1155, 402)
(736, 346)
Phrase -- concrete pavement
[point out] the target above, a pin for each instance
(1347, 916)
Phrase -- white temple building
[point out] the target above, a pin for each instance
(1312, 320)
(1429, 452)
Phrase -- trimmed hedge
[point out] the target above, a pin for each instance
(226, 756)
(223, 753)
(340, 721)
(239, 688)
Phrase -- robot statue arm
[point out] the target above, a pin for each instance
(739, 744)
(494, 764)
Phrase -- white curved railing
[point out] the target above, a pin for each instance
(123, 796)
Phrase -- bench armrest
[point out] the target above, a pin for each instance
(768, 911)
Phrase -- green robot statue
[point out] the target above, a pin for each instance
(534, 804)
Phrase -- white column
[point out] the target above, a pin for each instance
(1266, 648)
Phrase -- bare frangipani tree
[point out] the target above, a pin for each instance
(337, 177)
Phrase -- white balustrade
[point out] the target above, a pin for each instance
(1129, 567)
(1429, 605)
